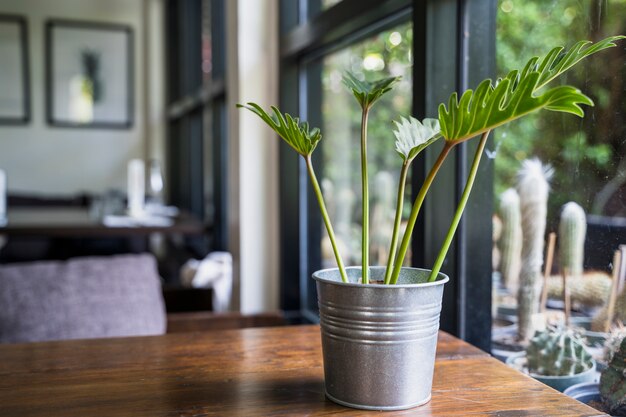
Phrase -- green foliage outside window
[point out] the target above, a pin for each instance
(585, 153)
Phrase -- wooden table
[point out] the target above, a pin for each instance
(77, 222)
(251, 372)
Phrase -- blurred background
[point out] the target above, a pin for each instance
(119, 134)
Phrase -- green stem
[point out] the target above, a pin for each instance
(417, 205)
(397, 221)
(459, 211)
(365, 236)
(329, 226)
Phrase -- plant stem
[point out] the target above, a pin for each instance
(417, 205)
(398, 220)
(329, 226)
(459, 211)
(365, 236)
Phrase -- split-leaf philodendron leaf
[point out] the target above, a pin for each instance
(557, 61)
(365, 92)
(413, 136)
(296, 134)
(518, 94)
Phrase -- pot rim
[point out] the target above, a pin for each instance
(442, 279)
(589, 387)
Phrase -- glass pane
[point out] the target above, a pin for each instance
(386, 54)
(585, 154)
(213, 40)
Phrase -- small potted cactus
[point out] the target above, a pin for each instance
(557, 357)
(609, 395)
(613, 383)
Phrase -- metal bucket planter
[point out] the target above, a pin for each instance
(559, 383)
(379, 341)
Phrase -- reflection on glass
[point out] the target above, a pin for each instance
(585, 154)
(386, 54)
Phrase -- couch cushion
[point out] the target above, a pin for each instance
(81, 298)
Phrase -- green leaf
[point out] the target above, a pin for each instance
(557, 61)
(296, 134)
(518, 94)
(413, 136)
(489, 107)
(365, 92)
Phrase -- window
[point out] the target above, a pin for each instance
(583, 152)
(197, 113)
(417, 40)
(586, 155)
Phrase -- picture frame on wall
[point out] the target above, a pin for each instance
(14, 67)
(89, 74)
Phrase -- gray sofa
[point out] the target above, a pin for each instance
(81, 298)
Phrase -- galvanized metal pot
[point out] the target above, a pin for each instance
(379, 341)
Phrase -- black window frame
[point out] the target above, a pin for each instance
(454, 49)
(197, 144)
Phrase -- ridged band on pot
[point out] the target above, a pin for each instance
(379, 341)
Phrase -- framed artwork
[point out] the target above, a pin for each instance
(14, 71)
(89, 74)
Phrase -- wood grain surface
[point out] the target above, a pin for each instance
(77, 222)
(251, 372)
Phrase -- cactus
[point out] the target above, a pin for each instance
(496, 232)
(557, 351)
(533, 188)
(590, 289)
(619, 313)
(613, 341)
(510, 243)
(613, 383)
(572, 230)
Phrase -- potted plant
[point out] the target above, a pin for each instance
(609, 395)
(379, 323)
(557, 357)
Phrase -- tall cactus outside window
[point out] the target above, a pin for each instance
(533, 189)
(510, 242)
(572, 230)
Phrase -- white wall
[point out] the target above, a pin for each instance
(53, 160)
(253, 153)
